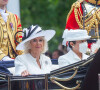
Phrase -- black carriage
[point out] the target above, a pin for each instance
(70, 77)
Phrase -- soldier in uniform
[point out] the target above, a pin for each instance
(9, 25)
(85, 14)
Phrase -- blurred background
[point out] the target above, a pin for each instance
(49, 14)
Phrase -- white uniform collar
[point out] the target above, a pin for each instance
(77, 57)
(34, 59)
(89, 7)
(2, 11)
(4, 14)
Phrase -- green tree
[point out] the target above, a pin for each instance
(49, 14)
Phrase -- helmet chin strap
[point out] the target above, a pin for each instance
(96, 2)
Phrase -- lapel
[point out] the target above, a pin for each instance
(1, 19)
(32, 60)
(75, 56)
(10, 31)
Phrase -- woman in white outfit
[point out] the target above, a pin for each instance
(78, 44)
(34, 45)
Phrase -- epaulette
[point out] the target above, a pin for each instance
(74, 5)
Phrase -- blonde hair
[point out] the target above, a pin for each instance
(28, 47)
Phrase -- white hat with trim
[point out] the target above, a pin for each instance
(34, 32)
(74, 35)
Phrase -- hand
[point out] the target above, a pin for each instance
(96, 50)
(25, 73)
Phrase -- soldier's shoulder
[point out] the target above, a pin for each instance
(77, 3)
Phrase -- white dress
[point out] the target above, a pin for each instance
(70, 58)
(28, 62)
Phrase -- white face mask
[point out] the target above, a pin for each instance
(83, 47)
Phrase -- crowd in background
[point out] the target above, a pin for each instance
(57, 52)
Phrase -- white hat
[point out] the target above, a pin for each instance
(74, 35)
(33, 32)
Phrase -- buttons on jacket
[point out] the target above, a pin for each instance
(3, 23)
(5, 30)
(5, 37)
(4, 43)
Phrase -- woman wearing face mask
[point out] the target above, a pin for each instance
(77, 41)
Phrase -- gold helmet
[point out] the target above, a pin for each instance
(93, 1)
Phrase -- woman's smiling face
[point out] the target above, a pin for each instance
(37, 44)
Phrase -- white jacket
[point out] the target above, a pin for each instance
(70, 58)
(28, 62)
